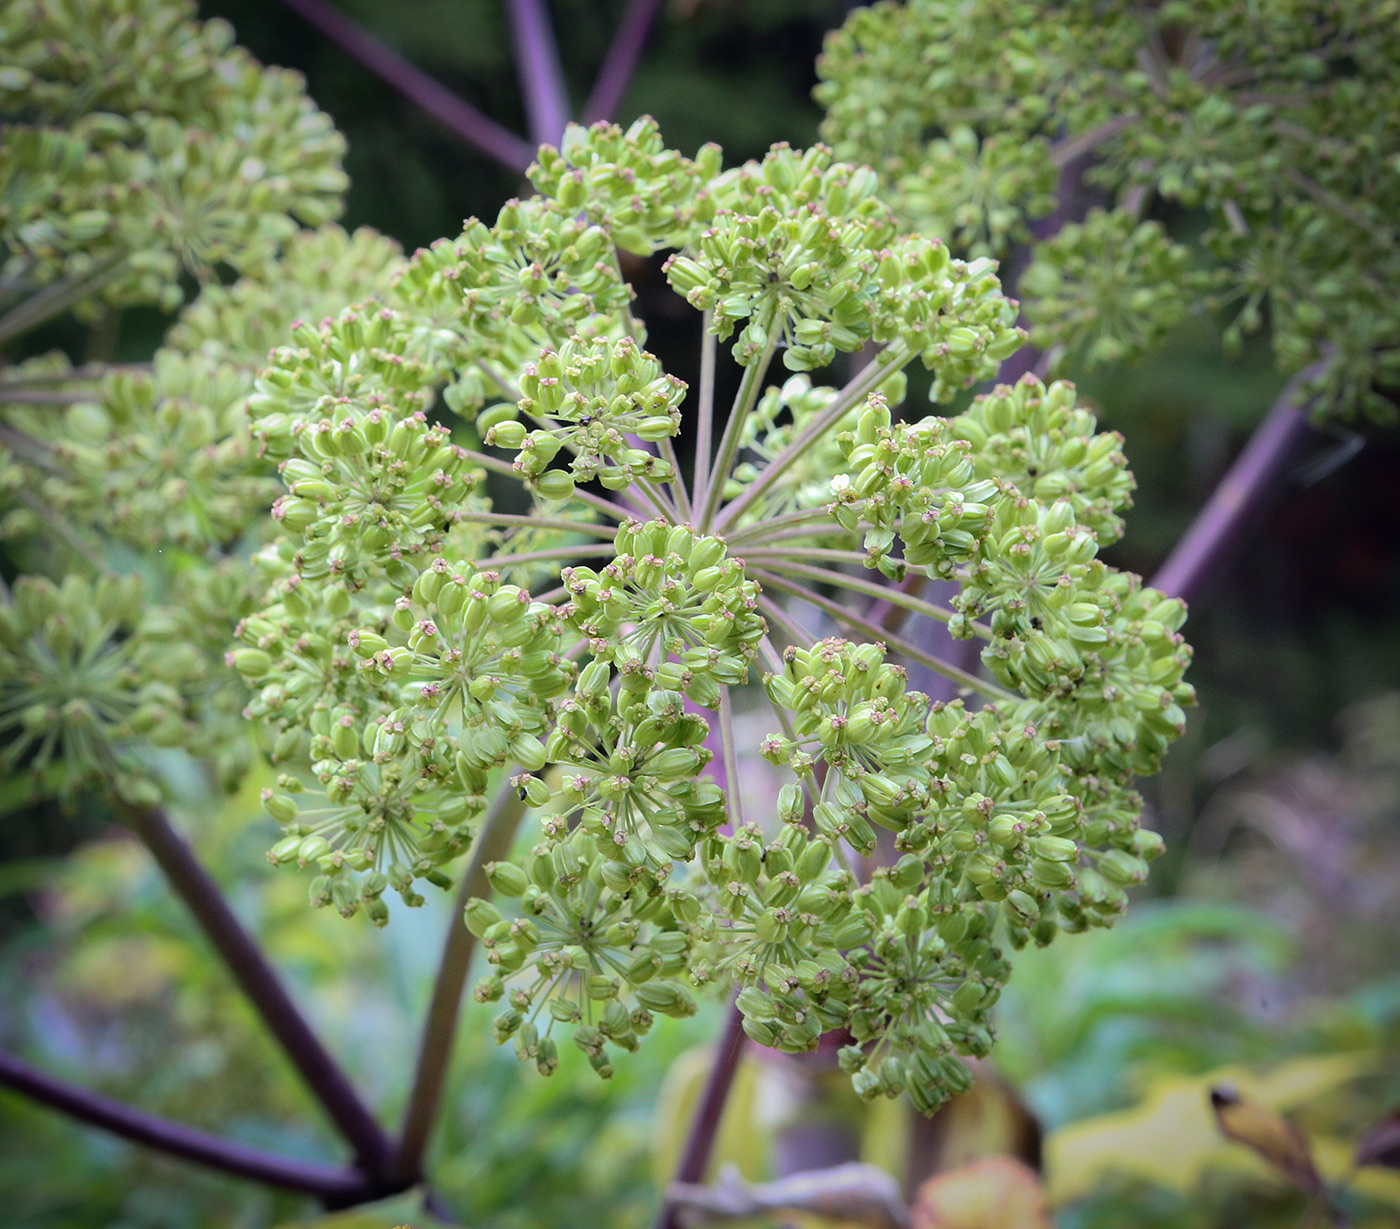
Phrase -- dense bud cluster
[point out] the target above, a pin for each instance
(673, 597)
(83, 678)
(643, 194)
(429, 660)
(1110, 288)
(803, 251)
(602, 402)
(1268, 121)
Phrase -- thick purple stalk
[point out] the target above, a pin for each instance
(704, 1127)
(259, 981)
(414, 84)
(440, 1025)
(335, 1186)
(621, 61)
(541, 75)
(1248, 485)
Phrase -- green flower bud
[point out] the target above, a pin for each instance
(507, 879)
(480, 915)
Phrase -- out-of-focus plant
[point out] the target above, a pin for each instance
(1277, 126)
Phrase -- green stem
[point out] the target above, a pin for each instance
(508, 389)
(72, 375)
(659, 499)
(744, 401)
(873, 374)
(705, 423)
(880, 635)
(606, 506)
(820, 553)
(680, 497)
(888, 593)
(777, 616)
(493, 842)
(538, 522)
(629, 321)
(35, 452)
(88, 551)
(58, 297)
(731, 758)
(37, 396)
(586, 551)
(773, 529)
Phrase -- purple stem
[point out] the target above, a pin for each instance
(705, 1125)
(336, 1186)
(541, 75)
(1246, 487)
(259, 981)
(414, 84)
(621, 61)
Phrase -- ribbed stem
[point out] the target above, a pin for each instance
(704, 1127)
(621, 61)
(874, 373)
(541, 75)
(335, 1186)
(876, 633)
(414, 84)
(260, 982)
(1249, 483)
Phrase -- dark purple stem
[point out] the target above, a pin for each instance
(414, 84)
(705, 1125)
(1250, 482)
(541, 75)
(259, 981)
(621, 61)
(336, 1186)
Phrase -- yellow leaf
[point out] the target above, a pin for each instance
(996, 1192)
(1170, 1138)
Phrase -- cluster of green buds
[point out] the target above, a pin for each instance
(672, 596)
(643, 194)
(602, 401)
(1110, 288)
(803, 250)
(142, 148)
(84, 681)
(589, 950)
(978, 191)
(1050, 448)
(418, 698)
(852, 716)
(1215, 107)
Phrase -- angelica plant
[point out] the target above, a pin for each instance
(544, 602)
(443, 542)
